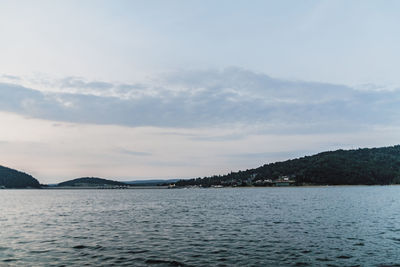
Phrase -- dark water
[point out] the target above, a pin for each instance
(337, 226)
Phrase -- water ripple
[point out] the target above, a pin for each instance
(335, 226)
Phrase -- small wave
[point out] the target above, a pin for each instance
(121, 260)
(107, 258)
(98, 247)
(137, 251)
(323, 259)
(39, 251)
(344, 257)
(301, 264)
(80, 237)
(9, 260)
(396, 239)
(48, 241)
(219, 251)
(170, 263)
(79, 247)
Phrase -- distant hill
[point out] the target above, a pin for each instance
(89, 181)
(366, 166)
(10, 178)
(151, 182)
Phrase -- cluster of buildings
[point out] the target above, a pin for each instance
(251, 181)
(281, 181)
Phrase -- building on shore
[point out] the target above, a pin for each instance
(283, 181)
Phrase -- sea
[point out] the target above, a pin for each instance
(288, 226)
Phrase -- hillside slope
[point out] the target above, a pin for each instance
(10, 178)
(348, 167)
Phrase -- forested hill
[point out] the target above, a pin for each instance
(90, 181)
(348, 167)
(10, 178)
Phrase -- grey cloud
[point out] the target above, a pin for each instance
(133, 153)
(11, 77)
(260, 85)
(82, 84)
(176, 134)
(219, 138)
(76, 82)
(214, 98)
(130, 87)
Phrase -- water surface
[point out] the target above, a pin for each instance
(324, 226)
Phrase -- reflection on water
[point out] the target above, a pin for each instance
(342, 226)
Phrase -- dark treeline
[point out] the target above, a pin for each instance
(10, 178)
(90, 181)
(341, 167)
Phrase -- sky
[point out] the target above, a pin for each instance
(132, 90)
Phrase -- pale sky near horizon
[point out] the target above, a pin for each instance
(177, 89)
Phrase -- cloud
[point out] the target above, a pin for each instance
(76, 82)
(195, 99)
(10, 77)
(133, 153)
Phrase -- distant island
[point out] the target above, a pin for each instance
(374, 166)
(95, 182)
(367, 166)
(89, 182)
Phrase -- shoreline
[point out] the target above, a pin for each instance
(191, 187)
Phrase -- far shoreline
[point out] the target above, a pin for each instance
(166, 187)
